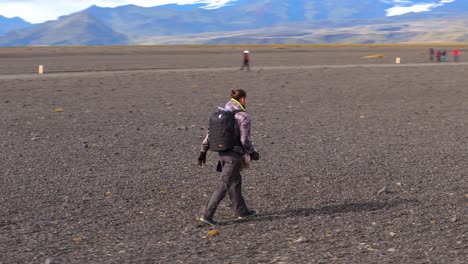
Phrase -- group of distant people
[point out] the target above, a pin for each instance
(441, 55)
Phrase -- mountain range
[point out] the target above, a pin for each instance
(242, 21)
(10, 24)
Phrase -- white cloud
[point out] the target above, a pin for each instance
(401, 10)
(411, 7)
(37, 11)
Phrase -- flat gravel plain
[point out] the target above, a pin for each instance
(359, 165)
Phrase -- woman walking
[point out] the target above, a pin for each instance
(232, 160)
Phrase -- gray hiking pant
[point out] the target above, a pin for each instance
(230, 183)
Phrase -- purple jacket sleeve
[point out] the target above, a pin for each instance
(205, 146)
(243, 120)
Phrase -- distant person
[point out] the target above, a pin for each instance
(246, 61)
(431, 54)
(229, 135)
(456, 55)
(443, 55)
(438, 55)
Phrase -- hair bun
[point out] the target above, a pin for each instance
(237, 94)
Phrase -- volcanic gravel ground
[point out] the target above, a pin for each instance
(66, 59)
(359, 165)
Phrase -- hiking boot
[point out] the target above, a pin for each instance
(207, 221)
(249, 214)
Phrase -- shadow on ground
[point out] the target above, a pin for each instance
(334, 209)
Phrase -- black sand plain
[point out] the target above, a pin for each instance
(360, 164)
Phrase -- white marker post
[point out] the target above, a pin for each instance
(398, 60)
(41, 69)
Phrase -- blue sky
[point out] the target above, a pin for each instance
(37, 11)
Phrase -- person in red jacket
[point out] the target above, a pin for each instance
(246, 62)
(456, 55)
(438, 55)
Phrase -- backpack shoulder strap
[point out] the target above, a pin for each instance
(236, 111)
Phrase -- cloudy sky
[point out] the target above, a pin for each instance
(36, 11)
